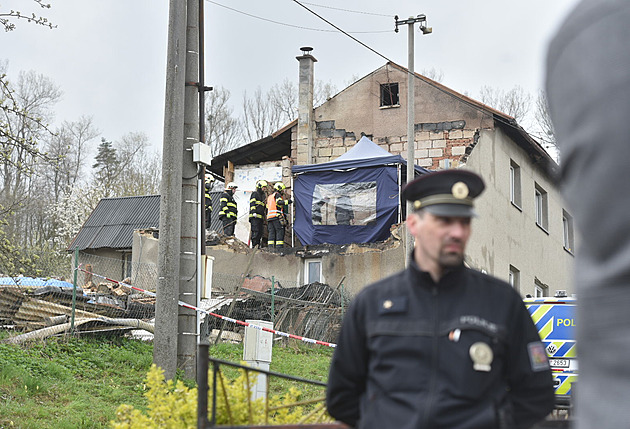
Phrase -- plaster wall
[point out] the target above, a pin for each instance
(505, 234)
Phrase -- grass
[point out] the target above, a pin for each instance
(79, 383)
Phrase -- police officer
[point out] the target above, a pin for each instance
(277, 216)
(439, 345)
(229, 211)
(257, 211)
(208, 199)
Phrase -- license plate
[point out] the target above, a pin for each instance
(559, 363)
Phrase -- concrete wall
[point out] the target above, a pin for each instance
(144, 259)
(359, 264)
(505, 234)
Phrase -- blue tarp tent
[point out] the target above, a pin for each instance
(353, 199)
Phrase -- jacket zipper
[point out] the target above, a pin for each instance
(434, 358)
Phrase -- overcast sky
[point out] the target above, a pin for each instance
(109, 56)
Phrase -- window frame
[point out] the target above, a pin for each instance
(567, 232)
(307, 270)
(541, 290)
(514, 278)
(541, 207)
(386, 89)
(515, 184)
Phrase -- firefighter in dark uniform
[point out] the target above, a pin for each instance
(277, 216)
(439, 345)
(208, 199)
(257, 211)
(229, 211)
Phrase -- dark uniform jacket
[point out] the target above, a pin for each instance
(257, 205)
(403, 359)
(228, 206)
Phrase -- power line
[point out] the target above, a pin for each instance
(348, 10)
(286, 24)
(430, 83)
(342, 31)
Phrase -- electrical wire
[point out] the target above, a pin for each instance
(429, 82)
(342, 31)
(290, 25)
(348, 10)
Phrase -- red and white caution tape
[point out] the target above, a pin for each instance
(229, 319)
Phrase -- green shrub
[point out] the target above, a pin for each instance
(173, 405)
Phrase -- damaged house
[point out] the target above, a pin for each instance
(350, 153)
(523, 222)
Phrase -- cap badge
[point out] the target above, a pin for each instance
(387, 304)
(482, 356)
(417, 204)
(460, 190)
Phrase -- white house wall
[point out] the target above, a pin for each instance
(505, 235)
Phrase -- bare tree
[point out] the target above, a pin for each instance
(222, 130)
(433, 74)
(284, 99)
(547, 134)
(7, 18)
(515, 102)
(264, 114)
(68, 149)
(26, 107)
(260, 118)
(322, 92)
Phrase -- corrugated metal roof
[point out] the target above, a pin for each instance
(113, 221)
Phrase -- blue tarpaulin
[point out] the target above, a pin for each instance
(34, 281)
(353, 199)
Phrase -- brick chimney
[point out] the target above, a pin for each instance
(305, 107)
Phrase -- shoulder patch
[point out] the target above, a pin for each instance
(537, 356)
(396, 304)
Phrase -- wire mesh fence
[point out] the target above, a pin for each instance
(107, 301)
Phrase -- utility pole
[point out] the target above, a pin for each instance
(187, 318)
(165, 340)
(411, 109)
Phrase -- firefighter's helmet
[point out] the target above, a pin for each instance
(261, 184)
(232, 185)
(279, 186)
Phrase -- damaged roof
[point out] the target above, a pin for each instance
(270, 148)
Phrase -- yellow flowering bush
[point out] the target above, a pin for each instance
(173, 405)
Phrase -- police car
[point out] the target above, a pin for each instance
(555, 321)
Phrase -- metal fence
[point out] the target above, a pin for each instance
(115, 296)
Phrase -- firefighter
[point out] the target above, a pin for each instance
(276, 216)
(208, 200)
(229, 211)
(257, 211)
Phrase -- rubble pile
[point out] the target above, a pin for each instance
(29, 308)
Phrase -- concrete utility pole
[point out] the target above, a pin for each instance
(165, 340)
(411, 108)
(187, 320)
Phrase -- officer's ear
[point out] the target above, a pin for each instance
(413, 220)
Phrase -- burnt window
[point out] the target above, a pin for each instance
(389, 94)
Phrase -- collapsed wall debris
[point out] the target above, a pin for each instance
(313, 310)
(30, 308)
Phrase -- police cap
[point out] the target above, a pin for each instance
(445, 193)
